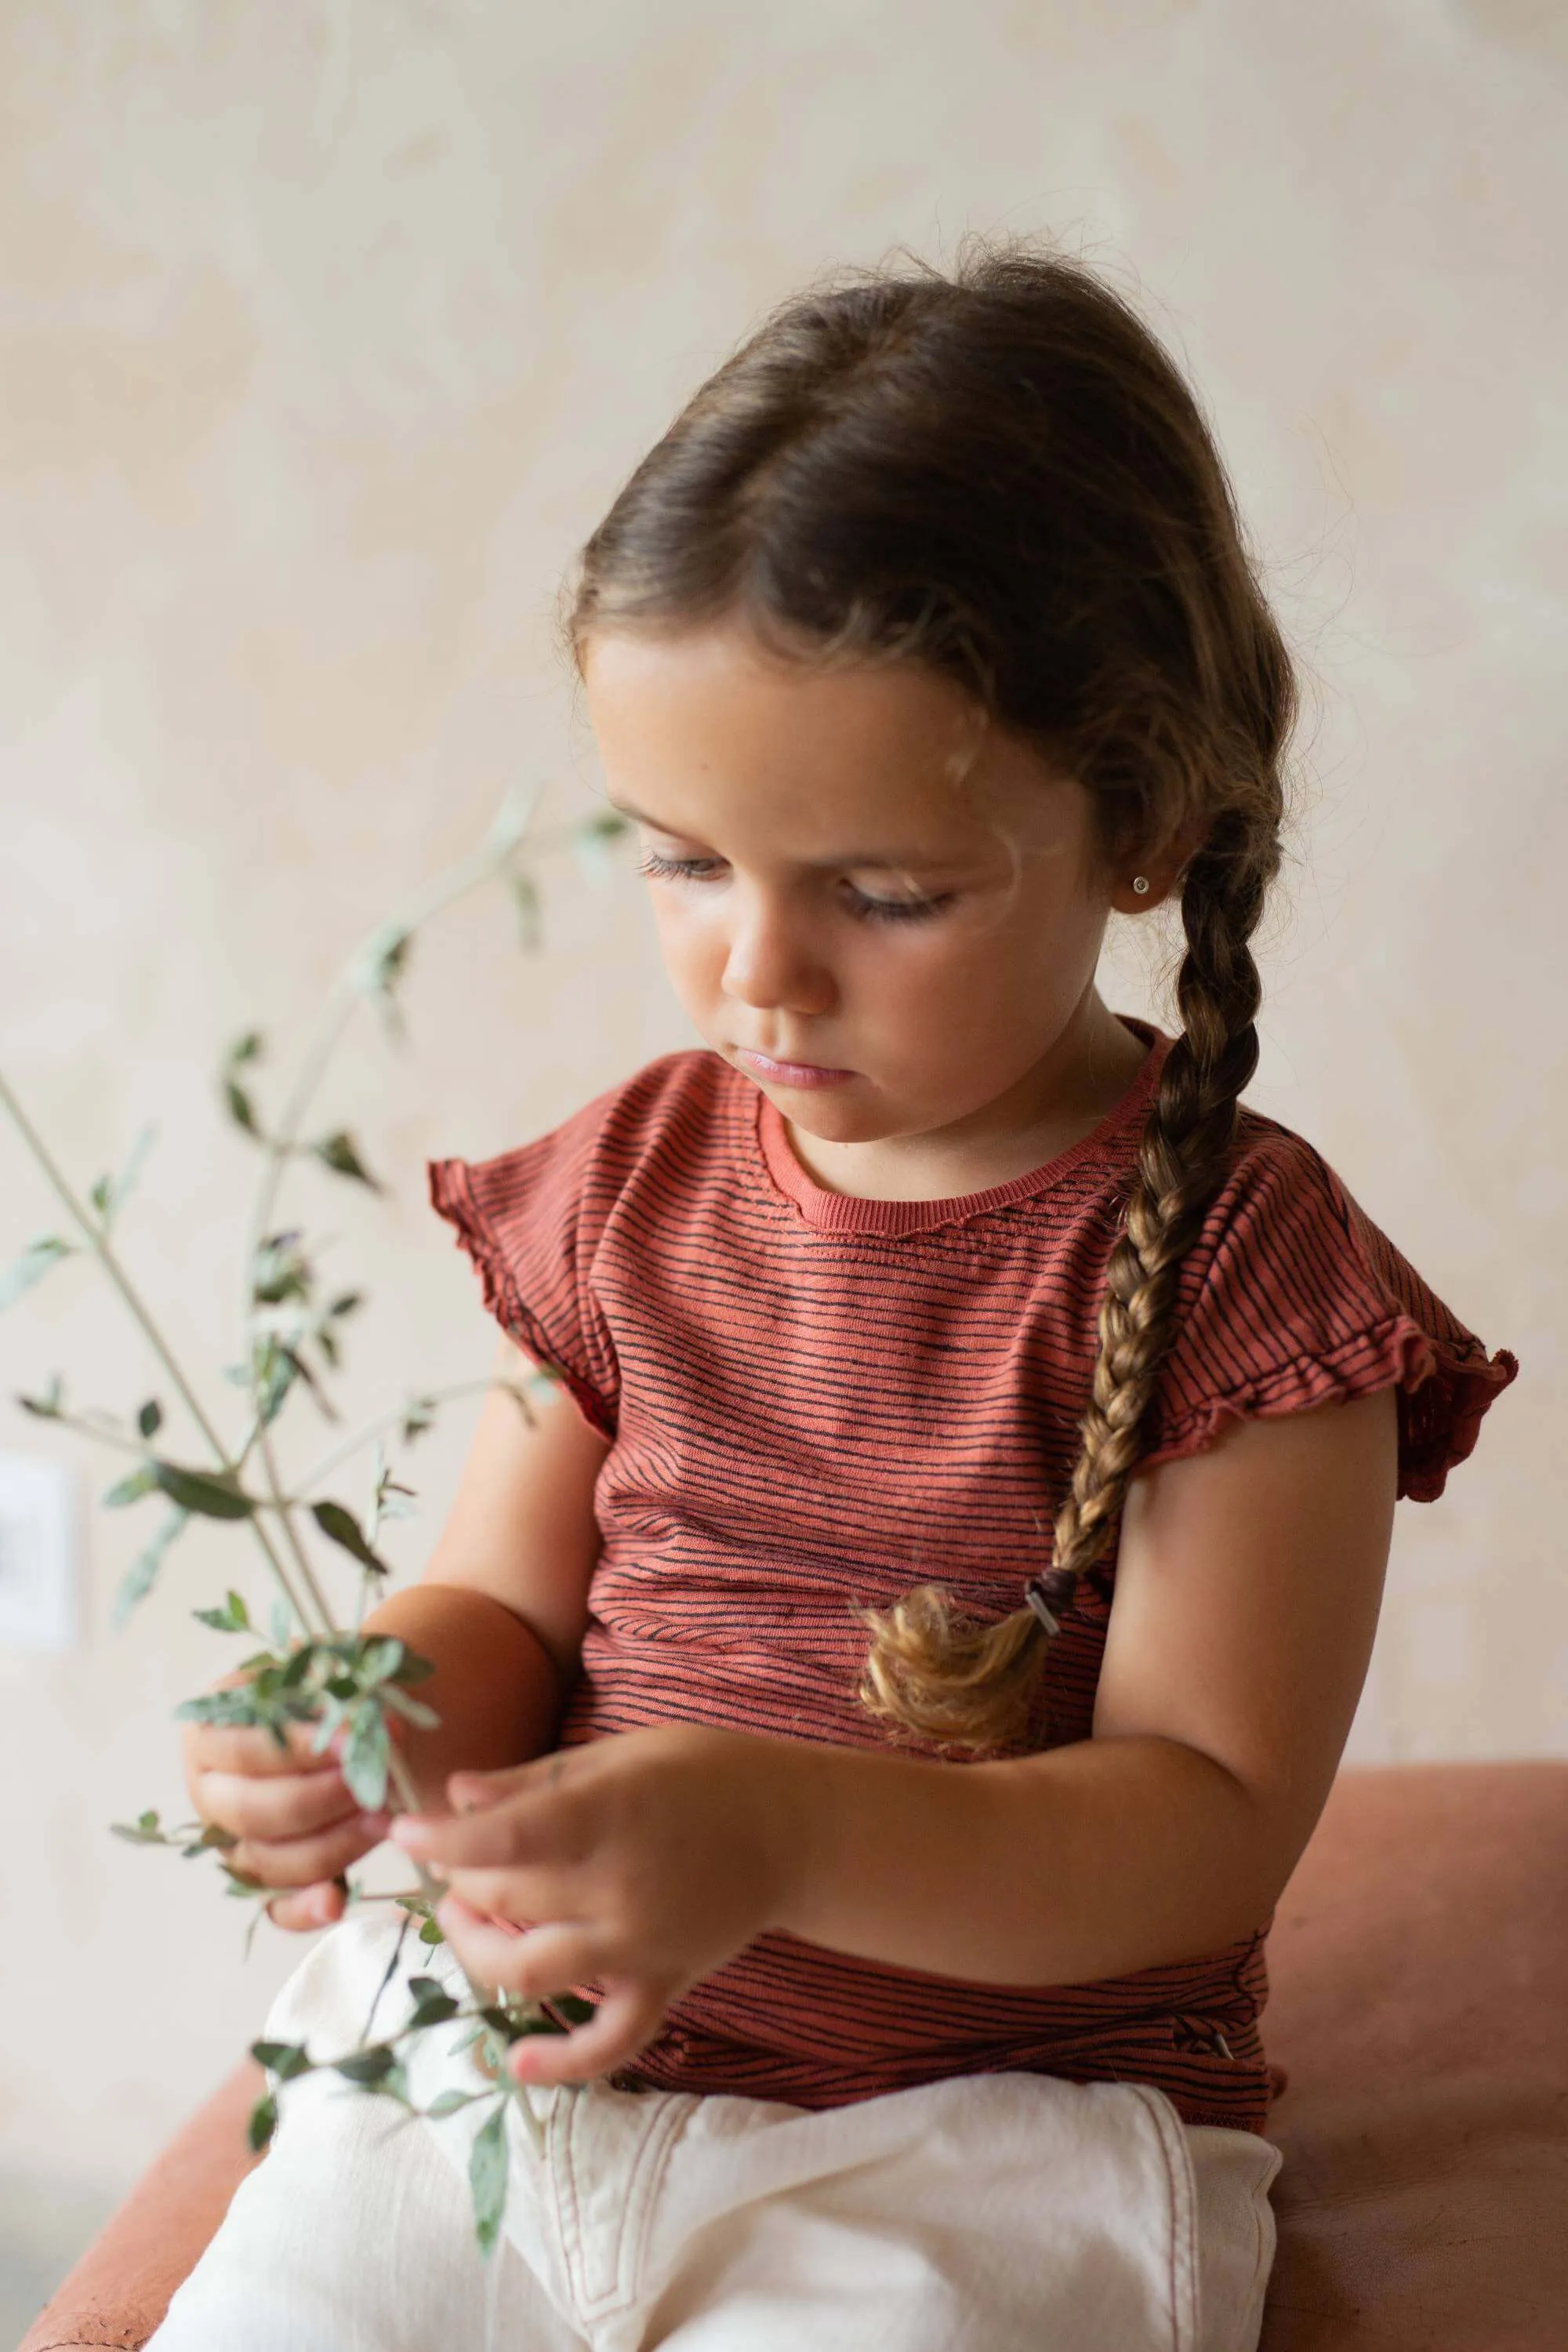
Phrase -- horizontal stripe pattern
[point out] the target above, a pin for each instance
(816, 1401)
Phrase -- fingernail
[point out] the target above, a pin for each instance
(471, 1796)
(375, 1825)
(406, 1829)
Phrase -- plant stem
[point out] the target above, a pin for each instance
(432, 1890)
(291, 1535)
(347, 993)
(374, 1429)
(98, 1243)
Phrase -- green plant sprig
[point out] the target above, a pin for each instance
(348, 1686)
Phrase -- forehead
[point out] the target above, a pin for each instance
(706, 730)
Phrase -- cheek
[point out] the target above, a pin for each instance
(691, 950)
(998, 985)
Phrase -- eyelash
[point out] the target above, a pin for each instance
(656, 868)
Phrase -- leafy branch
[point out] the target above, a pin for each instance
(315, 1672)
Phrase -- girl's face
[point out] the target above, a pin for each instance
(882, 910)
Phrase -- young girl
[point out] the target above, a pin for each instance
(896, 1676)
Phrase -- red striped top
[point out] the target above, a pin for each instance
(816, 1399)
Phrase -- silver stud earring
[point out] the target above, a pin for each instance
(1141, 884)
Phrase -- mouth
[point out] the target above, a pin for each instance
(804, 1076)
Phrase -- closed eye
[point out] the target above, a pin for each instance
(656, 868)
(863, 904)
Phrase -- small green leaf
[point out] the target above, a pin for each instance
(109, 1194)
(346, 1303)
(241, 1109)
(225, 1708)
(149, 1420)
(418, 1415)
(341, 1527)
(367, 2065)
(573, 2007)
(448, 2103)
(340, 1152)
(145, 1830)
(141, 1575)
(429, 1933)
(434, 2009)
(367, 1753)
(234, 1617)
(204, 1492)
(281, 1271)
(594, 838)
(131, 1488)
(379, 1661)
(251, 1047)
(487, 2177)
(263, 2123)
(50, 1405)
(284, 2059)
(529, 922)
(386, 957)
(36, 1260)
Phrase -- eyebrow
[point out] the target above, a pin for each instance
(876, 860)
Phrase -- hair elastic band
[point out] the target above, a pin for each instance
(1035, 1596)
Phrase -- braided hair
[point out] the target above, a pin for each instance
(999, 475)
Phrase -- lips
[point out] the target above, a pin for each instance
(804, 1076)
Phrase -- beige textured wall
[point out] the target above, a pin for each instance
(326, 331)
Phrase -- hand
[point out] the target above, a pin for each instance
(639, 1863)
(297, 1824)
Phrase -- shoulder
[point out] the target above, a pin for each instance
(1292, 1297)
(684, 1106)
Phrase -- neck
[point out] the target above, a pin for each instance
(1059, 1100)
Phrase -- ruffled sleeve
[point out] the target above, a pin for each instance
(531, 1221)
(1292, 1297)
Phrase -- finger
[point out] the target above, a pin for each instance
(308, 1907)
(283, 1807)
(212, 1748)
(299, 1862)
(519, 1893)
(626, 2022)
(554, 1958)
(511, 1833)
(484, 1944)
(473, 1792)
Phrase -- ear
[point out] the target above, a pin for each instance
(1161, 870)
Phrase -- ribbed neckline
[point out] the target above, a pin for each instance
(847, 1212)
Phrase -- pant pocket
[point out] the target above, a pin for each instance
(1232, 2172)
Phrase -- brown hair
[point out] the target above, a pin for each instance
(1000, 475)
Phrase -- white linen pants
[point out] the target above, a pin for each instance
(983, 2213)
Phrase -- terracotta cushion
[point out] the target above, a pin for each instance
(1418, 1964)
(120, 2290)
(1420, 1968)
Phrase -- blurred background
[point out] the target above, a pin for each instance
(326, 333)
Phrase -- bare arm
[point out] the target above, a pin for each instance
(501, 1606)
(1248, 1593)
(499, 1613)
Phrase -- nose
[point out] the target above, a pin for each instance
(772, 963)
